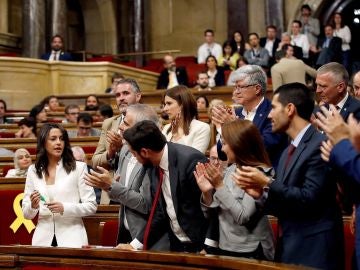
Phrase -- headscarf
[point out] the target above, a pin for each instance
(20, 172)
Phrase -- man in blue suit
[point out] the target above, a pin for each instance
(302, 196)
(332, 80)
(249, 92)
(57, 54)
(342, 150)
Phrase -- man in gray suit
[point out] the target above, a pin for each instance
(131, 186)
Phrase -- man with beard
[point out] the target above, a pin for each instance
(171, 75)
(303, 194)
(57, 53)
(127, 92)
(203, 82)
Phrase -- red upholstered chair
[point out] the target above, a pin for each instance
(227, 74)
(185, 60)
(192, 72)
(89, 149)
(101, 59)
(31, 150)
(5, 134)
(6, 168)
(109, 233)
(7, 236)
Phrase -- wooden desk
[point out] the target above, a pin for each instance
(15, 143)
(15, 257)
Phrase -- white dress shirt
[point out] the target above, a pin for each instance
(166, 190)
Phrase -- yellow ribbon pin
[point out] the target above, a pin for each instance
(29, 225)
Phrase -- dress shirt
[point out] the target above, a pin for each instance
(345, 35)
(269, 46)
(172, 79)
(301, 41)
(251, 115)
(300, 135)
(205, 50)
(166, 191)
(212, 75)
(54, 55)
(342, 102)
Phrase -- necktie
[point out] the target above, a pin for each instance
(153, 208)
(55, 56)
(291, 151)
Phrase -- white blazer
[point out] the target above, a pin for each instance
(198, 137)
(79, 200)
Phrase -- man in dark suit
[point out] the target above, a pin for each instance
(302, 196)
(332, 80)
(176, 206)
(328, 48)
(249, 92)
(171, 75)
(342, 150)
(57, 53)
(270, 43)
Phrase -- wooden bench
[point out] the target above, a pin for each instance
(30, 143)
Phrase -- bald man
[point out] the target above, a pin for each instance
(171, 75)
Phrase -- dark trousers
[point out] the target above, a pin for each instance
(257, 254)
(178, 246)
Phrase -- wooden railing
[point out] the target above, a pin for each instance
(15, 257)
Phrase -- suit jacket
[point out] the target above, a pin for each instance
(185, 195)
(242, 227)
(275, 46)
(303, 199)
(262, 59)
(331, 54)
(198, 137)
(275, 143)
(77, 198)
(99, 157)
(289, 71)
(163, 79)
(352, 105)
(64, 56)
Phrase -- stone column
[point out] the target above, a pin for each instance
(275, 14)
(33, 28)
(58, 18)
(4, 16)
(139, 30)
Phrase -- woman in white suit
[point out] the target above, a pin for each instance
(180, 106)
(55, 189)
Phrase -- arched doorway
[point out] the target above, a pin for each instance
(350, 10)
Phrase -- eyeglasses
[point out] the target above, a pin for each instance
(240, 87)
(73, 113)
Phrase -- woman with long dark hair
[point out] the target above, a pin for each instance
(180, 106)
(55, 189)
(243, 230)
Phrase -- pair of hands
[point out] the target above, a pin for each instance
(250, 179)
(115, 141)
(332, 123)
(100, 179)
(54, 207)
(221, 114)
